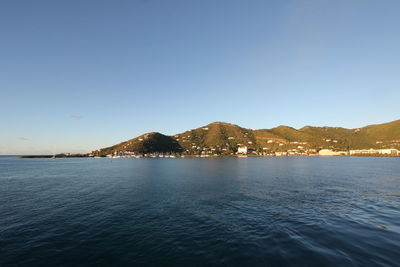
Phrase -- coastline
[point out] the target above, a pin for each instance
(200, 156)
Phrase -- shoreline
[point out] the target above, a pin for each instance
(198, 156)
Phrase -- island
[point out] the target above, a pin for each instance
(221, 139)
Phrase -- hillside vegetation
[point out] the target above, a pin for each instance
(225, 138)
(147, 143)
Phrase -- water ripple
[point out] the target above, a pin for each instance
(194, 212)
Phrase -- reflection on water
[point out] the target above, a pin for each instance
(235, 212)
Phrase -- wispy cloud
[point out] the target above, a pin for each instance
(23, 138)
(76, 116)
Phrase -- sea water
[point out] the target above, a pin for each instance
(310, 211)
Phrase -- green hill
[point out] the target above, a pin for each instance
(224, 138)
(215, 138)
(147, 143)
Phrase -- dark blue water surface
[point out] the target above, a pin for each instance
(311, 211)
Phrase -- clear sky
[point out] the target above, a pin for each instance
(76, 75)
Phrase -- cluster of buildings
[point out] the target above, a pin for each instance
(322, 152)
(384, 151)
(244, 151)
(360, 152)
(129, 154)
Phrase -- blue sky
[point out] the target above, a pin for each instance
(79, 75)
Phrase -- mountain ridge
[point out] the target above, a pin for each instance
(222, 138)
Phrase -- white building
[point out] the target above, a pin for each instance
(385, 151)
(330, 152)
(242, 150)
(389, 151)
